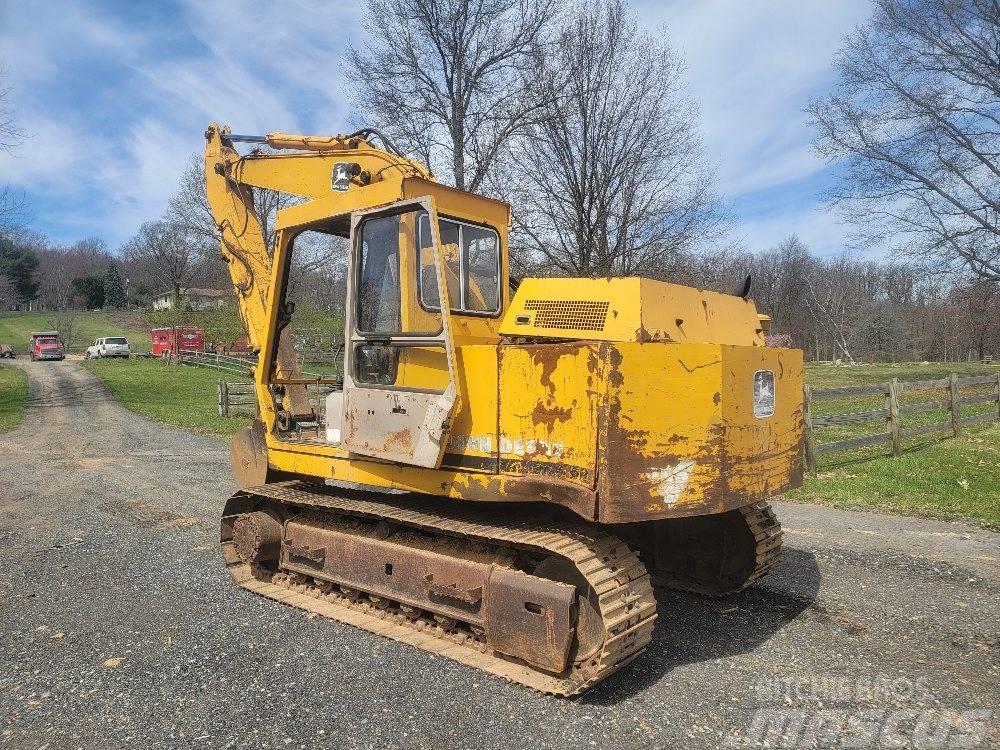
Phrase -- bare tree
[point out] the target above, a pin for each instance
(451, 80)
(64, 321)
(978, 304)
(914, 125)
(172, 256)
(610, 179)
(59, 266)
(11, 135)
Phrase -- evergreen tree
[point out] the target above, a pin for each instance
(88, 292)
(114, 290)
(19, 264)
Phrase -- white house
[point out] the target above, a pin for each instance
(192, 299)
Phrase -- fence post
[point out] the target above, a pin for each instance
(810, 456)
(223, 398)
(892, 414)
(998, 395)
(956, 420)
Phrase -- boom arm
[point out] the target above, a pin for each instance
(315, 167)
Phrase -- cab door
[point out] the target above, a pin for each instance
(399, 364)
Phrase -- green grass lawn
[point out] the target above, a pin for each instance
(15, 328)
(830, 376)
(13, 394)
(937, 476)
(177, 395)
(944, 478)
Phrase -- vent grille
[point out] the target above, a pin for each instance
(574, 315)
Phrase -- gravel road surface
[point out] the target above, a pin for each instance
(119, 626)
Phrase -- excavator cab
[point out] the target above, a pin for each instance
(406, 274)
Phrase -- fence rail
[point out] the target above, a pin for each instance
(245, 365)
(892, 411)
(239, 398)
(217, 361)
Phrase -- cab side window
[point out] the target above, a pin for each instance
(472, 267)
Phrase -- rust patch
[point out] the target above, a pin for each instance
(615, 360)
(577, 498)
(581, 500)
(717, 398)
(547, 356)
(400, 440)
(549, 415)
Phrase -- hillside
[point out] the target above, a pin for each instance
(15, 328)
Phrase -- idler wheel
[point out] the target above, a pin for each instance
(257, 536)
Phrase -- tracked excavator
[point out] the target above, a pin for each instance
(498, 475)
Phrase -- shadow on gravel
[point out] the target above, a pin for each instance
(693, 629)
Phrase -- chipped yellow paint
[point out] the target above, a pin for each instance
(630, 309)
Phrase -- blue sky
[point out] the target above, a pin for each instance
(114, 97)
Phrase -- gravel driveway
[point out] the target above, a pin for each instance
(119, 626)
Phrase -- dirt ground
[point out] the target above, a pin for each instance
(119, 626)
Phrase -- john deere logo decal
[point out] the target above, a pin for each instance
(763, 394)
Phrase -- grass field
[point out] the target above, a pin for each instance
(185, 397)
(15, 328)
(13, 394)
(830, 376)
(937, 476)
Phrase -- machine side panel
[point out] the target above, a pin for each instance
(763, 451)
(683, 435)
(661, 441)
(550, 396)
(473, 442)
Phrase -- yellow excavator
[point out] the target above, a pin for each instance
(498, 475)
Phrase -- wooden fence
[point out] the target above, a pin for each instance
(239, 398)
(245, 365)
(893, 411)
(214, 360)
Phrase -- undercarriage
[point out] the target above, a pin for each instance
(543, 601)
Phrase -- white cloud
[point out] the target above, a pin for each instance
(752, 68)
(823, 232)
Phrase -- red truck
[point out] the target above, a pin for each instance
(166, 342)
(45, 345)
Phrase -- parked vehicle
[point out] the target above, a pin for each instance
(46, 345)
(168, 341)
(110, 346)
(6, 352)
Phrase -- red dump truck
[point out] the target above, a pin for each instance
(45, 345)
(166, 342)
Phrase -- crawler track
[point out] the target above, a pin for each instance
(619, 581)
(758, 546)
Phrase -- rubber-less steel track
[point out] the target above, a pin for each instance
(624, 596)
(767, 535)
(764, 528)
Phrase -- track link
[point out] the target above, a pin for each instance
(620, 581)
(765, 530)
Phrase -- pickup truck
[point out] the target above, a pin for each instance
(46, 345)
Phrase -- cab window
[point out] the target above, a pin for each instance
(472, 267)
